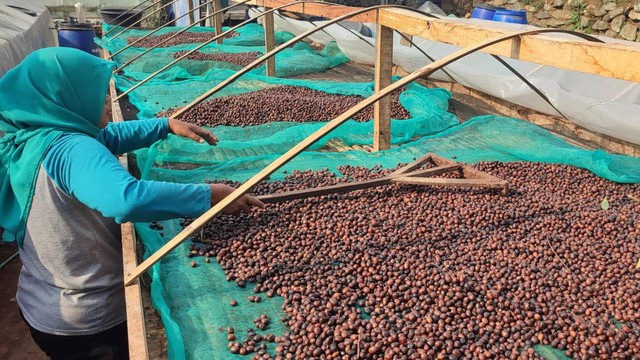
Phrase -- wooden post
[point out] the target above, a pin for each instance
(217, 20)
(189, 8)
(209, 21)
(382, 108)
(269, 42)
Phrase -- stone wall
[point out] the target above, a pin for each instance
(613, 18)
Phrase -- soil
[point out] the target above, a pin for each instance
(15, 341)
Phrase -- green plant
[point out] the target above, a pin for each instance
(576, 12)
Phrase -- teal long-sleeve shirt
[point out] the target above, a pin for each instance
(86, 169)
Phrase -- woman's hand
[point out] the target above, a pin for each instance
(191, 131)
(243, 204)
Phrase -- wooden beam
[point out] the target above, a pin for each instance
(189, 8)
(384, 70)
(613, 60)
(133, 296)
(209, 21)
(329, 11)
(217, 20)
(269, 42)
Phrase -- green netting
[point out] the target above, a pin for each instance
(248, 35)
(194, 302)
(485, 138)
(296, 60)
(427, 108)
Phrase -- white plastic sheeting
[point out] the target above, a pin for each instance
(600, 104)
(181, 7)
(20, 33)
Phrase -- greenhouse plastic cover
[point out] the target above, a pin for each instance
(600, 104)
(20, 33)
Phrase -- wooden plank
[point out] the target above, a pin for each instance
(189, 8)
(136, 330)
(330, 11)
(613, 60)
(384, 70)
(269, 42)
(217, 20)
(133, 296)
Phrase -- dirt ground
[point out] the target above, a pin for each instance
(15, 340)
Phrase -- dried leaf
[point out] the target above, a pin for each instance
(605, 204)
(634, 198)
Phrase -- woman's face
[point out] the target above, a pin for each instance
(106, 112)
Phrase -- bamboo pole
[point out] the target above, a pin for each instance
(311, 139)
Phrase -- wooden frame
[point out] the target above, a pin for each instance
(269, 42)
(469, 177)
(607, 59)
(217, 19)
(384, 70)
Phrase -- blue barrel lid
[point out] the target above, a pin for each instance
(74, 26)
(512, 12)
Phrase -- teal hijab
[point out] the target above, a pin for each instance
(54, 91)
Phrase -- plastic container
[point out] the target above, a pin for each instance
(110, 16)
(485, 11)
(78, 36)
(511, 16)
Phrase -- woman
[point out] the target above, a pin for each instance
(64, 192)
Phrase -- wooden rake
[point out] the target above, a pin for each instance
(468, 178)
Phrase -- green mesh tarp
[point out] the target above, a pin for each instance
(427, 108)
(248, 35)
(485, 138)
(296, 60)
(194, 302)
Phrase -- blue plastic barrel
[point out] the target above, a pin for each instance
(511, 16)
(78, 36)
(484, 11)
